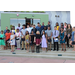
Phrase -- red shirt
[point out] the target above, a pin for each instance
(7, 36)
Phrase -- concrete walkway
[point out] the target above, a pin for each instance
(7, 59)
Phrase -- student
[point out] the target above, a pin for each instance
(49, 25)
(28, 29)
(32, 35)
(44, 41)
(38, 26)
(7, 36)
(19, 27)
(72, 42)
(2, 41)
(68, 32)
(57, 25)
(62, 26)
(37, 39)
(65, 26)
(12, 41)
(23, 32)
(45, 29)
(34, 29)
(27, 39)
(42, 25)
(5, 30)
(40, 29)
(49, 35)
(55, 38)
(18, 39)
(62, 39)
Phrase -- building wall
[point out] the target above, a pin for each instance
(5, 18)
(64, 16)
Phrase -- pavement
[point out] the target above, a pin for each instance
(7, 59)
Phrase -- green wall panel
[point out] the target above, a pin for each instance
(5, 18)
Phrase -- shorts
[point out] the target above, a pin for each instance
(73, 42)
(23, 39)
(32, 43)
(49, 40)
(38, 41)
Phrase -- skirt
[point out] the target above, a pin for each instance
(38, 41)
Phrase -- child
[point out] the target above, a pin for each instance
(27, 37)
(32, 40)
(37, 39)
(12, 41)
(62, 39)
(18, 39)
(2, 41)
(73, 38)
(44, 41)
(7, 35)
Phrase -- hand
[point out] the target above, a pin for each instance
(54, 37)
(62, 39)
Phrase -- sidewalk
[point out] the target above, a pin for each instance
(6, 59)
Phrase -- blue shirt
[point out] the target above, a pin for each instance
(72, 39)
(42, 27)
(37, 27)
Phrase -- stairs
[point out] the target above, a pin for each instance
(69, 54)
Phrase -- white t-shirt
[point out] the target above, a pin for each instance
(29, 30)
(23, 31)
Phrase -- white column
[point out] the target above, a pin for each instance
(72, 17)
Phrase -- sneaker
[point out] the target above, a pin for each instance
(22, 49)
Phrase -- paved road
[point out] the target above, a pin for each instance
(7, 59)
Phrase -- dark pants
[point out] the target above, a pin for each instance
(56, 43)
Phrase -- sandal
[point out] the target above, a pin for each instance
(62, 50)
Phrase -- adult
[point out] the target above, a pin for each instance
(62, 39)
(28, 29)
(49, 25)
(34, 29)
(72, 42)
(38, 26)
(5, 30)
(62, 26)
(45, 29)
(55, 38)
(68, 32)
(31, 26)
(57, 25)
(19, 27)
(65, 26)
(42, 25)
(40, 29)
(49, 35)
(23, 32)
(18, 38)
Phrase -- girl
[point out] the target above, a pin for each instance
(37, 39)
(68, 32)
(7, 35)
(32, 40)
(73, 38)
(62, 39)
(44, 41)
(12, 41)
(65, 26)
(27, 37)
(2, 41)
(18, 39)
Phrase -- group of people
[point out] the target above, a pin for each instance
(39, 35)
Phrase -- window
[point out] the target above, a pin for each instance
(15, 22)
(35, 21)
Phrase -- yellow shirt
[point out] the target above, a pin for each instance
(57, 27)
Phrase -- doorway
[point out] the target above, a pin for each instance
(28, 21)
